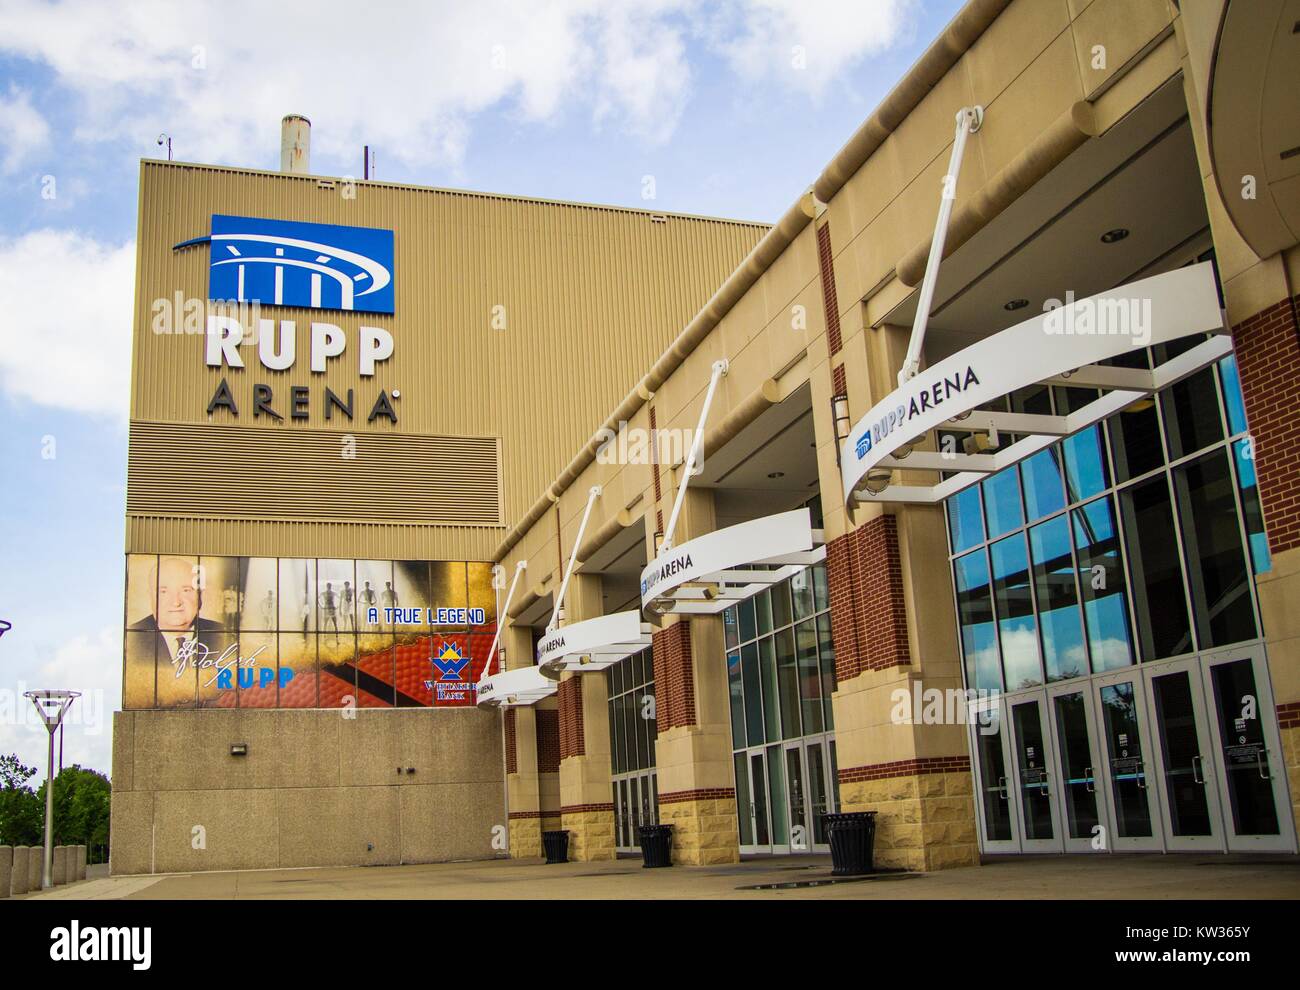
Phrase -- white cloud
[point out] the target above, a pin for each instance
(65, 341)
(23, 131)
(410, 76)
(805, 44)
(89, 663)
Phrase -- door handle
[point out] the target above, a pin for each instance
(1002, 788)
(1142, 776)
(1262, 764)
(1089, 784)
(1196, 769)
(1043, 788)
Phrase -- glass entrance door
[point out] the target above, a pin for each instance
(752, 806)
(808, 790)
(1084, 816)
(636, 803)
(1184, 759)
(995, 802)
(1033, 766)
(1248, 753)
(1127, 767)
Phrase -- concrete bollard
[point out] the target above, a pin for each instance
(35, 863)
(59, 869)
(81, 862)
(6, 869)
(22, 869)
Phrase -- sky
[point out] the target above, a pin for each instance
(728, 108)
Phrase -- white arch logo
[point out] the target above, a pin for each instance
(314, 266)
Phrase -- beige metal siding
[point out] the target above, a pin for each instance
(592, 296)
(244, 473)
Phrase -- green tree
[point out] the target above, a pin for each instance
(22, 815)
(81, 808)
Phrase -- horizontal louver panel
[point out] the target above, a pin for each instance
(228, 472)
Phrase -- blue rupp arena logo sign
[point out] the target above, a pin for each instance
(311, 265)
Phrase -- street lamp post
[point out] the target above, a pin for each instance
(52, 705)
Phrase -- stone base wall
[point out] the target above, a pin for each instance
(924, 821)
(704, 829)
(591, 834)
(525, 838)
(1289, 717)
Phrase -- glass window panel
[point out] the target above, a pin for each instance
(1086, 473)
(1260, 557)
(616, 677)
(753, 695)
(729, 627)
(258, 583)
(787, 676)
(747, 626)
(297, 595)
(336, 606)
(734, 681)
(1191, 409)
(742, 800)
(1216, 561)
(805, 634)
(1034, 399)
(615, 763)
(821, 597)
(639, 710)
(1135, 440)
(297, 653)
(138, 669)
(771, 704)
(374, 577)
(826, 657)
(782, 609)
(220, 590)
(652, 731)
(629, 730)
(1155, 571)
(975, 615)
(1060, 624)
(1233, 403)
(776, 794)
(1069, 398)
(1017, 634)
(965, 520)
(1044, 490)
(763, 612)
(1002, 507)
(801, 589)
(1105, 604)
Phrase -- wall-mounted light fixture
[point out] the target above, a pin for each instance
(843, 424)
(239, 749)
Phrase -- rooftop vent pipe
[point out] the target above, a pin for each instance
(295, 144)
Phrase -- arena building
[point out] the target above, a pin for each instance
(967, 493)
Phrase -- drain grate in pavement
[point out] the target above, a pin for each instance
(827, 881)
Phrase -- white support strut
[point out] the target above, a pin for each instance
(592, 495)
(697, 445)
(968, 122)
(504, 614)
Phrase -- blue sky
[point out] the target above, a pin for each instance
(732, 107)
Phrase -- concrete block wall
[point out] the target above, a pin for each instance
(316, 788)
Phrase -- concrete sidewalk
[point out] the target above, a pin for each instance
(1021, 878)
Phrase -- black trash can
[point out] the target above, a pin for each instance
(656, 845)
(852, 837)
(556, 846)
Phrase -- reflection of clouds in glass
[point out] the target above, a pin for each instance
(981, 656)
(1107, 654)
(1020, 653)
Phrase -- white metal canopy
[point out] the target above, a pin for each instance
(705, 575)
(514, 688)
(594, 644)
(1062, 346)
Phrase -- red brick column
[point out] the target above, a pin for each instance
(864, 576)
(1268, 360)
(572, 742)
(674, 677)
